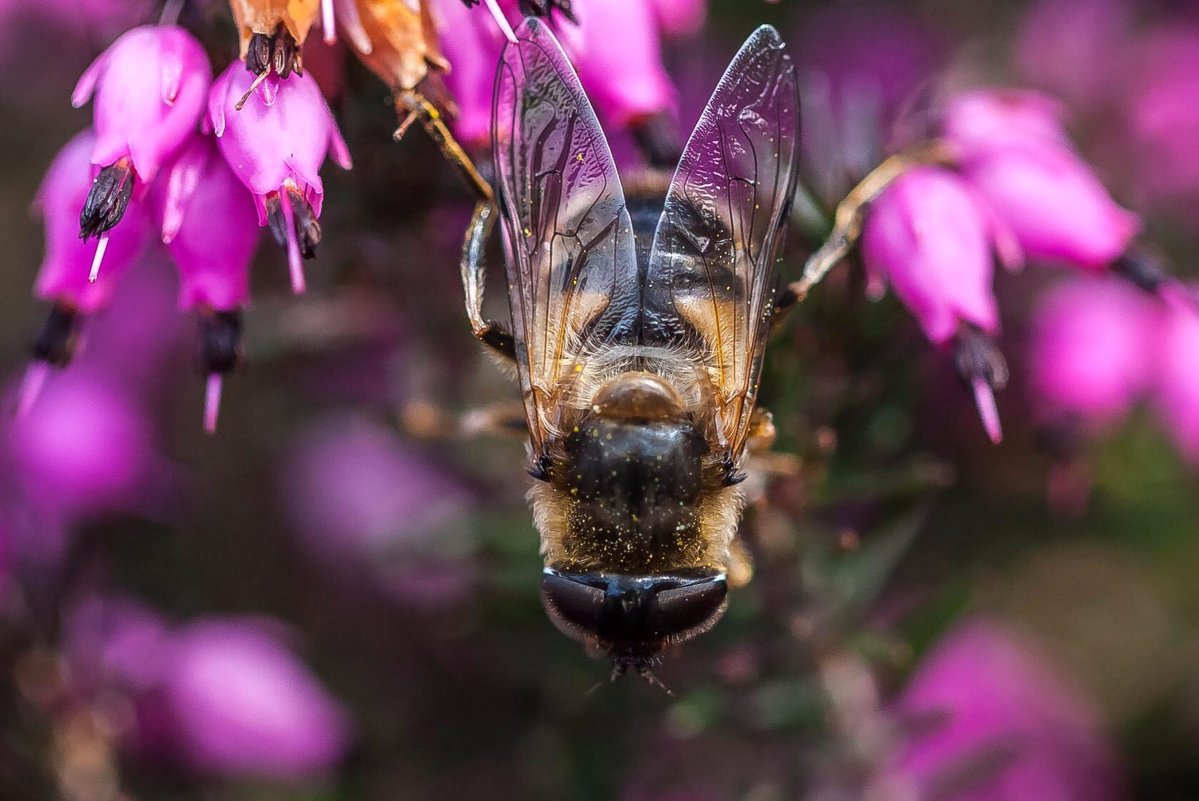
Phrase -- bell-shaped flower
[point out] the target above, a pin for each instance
(150, 87)
(243, 704)
(989, 718)
(1011, 146)
(931, 238)
(1176, 395)
(1091, 349)
(63, 278)
(276, 144)
(210, 227)
(1054, 205)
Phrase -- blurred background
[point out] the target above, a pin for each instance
(336, 596)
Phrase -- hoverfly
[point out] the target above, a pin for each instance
(638, 328)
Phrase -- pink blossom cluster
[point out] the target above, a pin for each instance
(1014, 191)
(153, 160)
(218, 696)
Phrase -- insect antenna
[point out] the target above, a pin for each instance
(646, 673)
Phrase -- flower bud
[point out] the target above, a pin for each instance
(396, 41)
(471, 42)
(275, 145)
(85, 448)
(615, 46)
(149, 87)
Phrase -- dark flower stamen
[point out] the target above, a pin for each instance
(1143, 270)
(308, 227)
(984, 370)
(107, 200)
(542, 8)
(258, 54)
(221, 345)
(306, 224)
(274, 52)
(56, 342)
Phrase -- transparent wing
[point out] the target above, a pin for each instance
(713, 254)
(572, 266)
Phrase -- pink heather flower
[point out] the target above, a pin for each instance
(276, 144)
(214, 241)
(366, 505)
(243, 704)
(1054, 205)
(1090, 350)
(63, 277)
(620, 61)
(1177, 387)
(1012, 148)
(930, 237)
(979, 122)
(615, 47)
(222, 696)
(993, 721)
(84, 449)
(149, 87)
(210, 227)
(471, 42)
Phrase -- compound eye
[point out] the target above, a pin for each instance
(574, 607)
(692, 608)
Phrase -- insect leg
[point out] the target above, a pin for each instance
(427, 420)
(419, 109)
(847, 221)
(474, 273)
